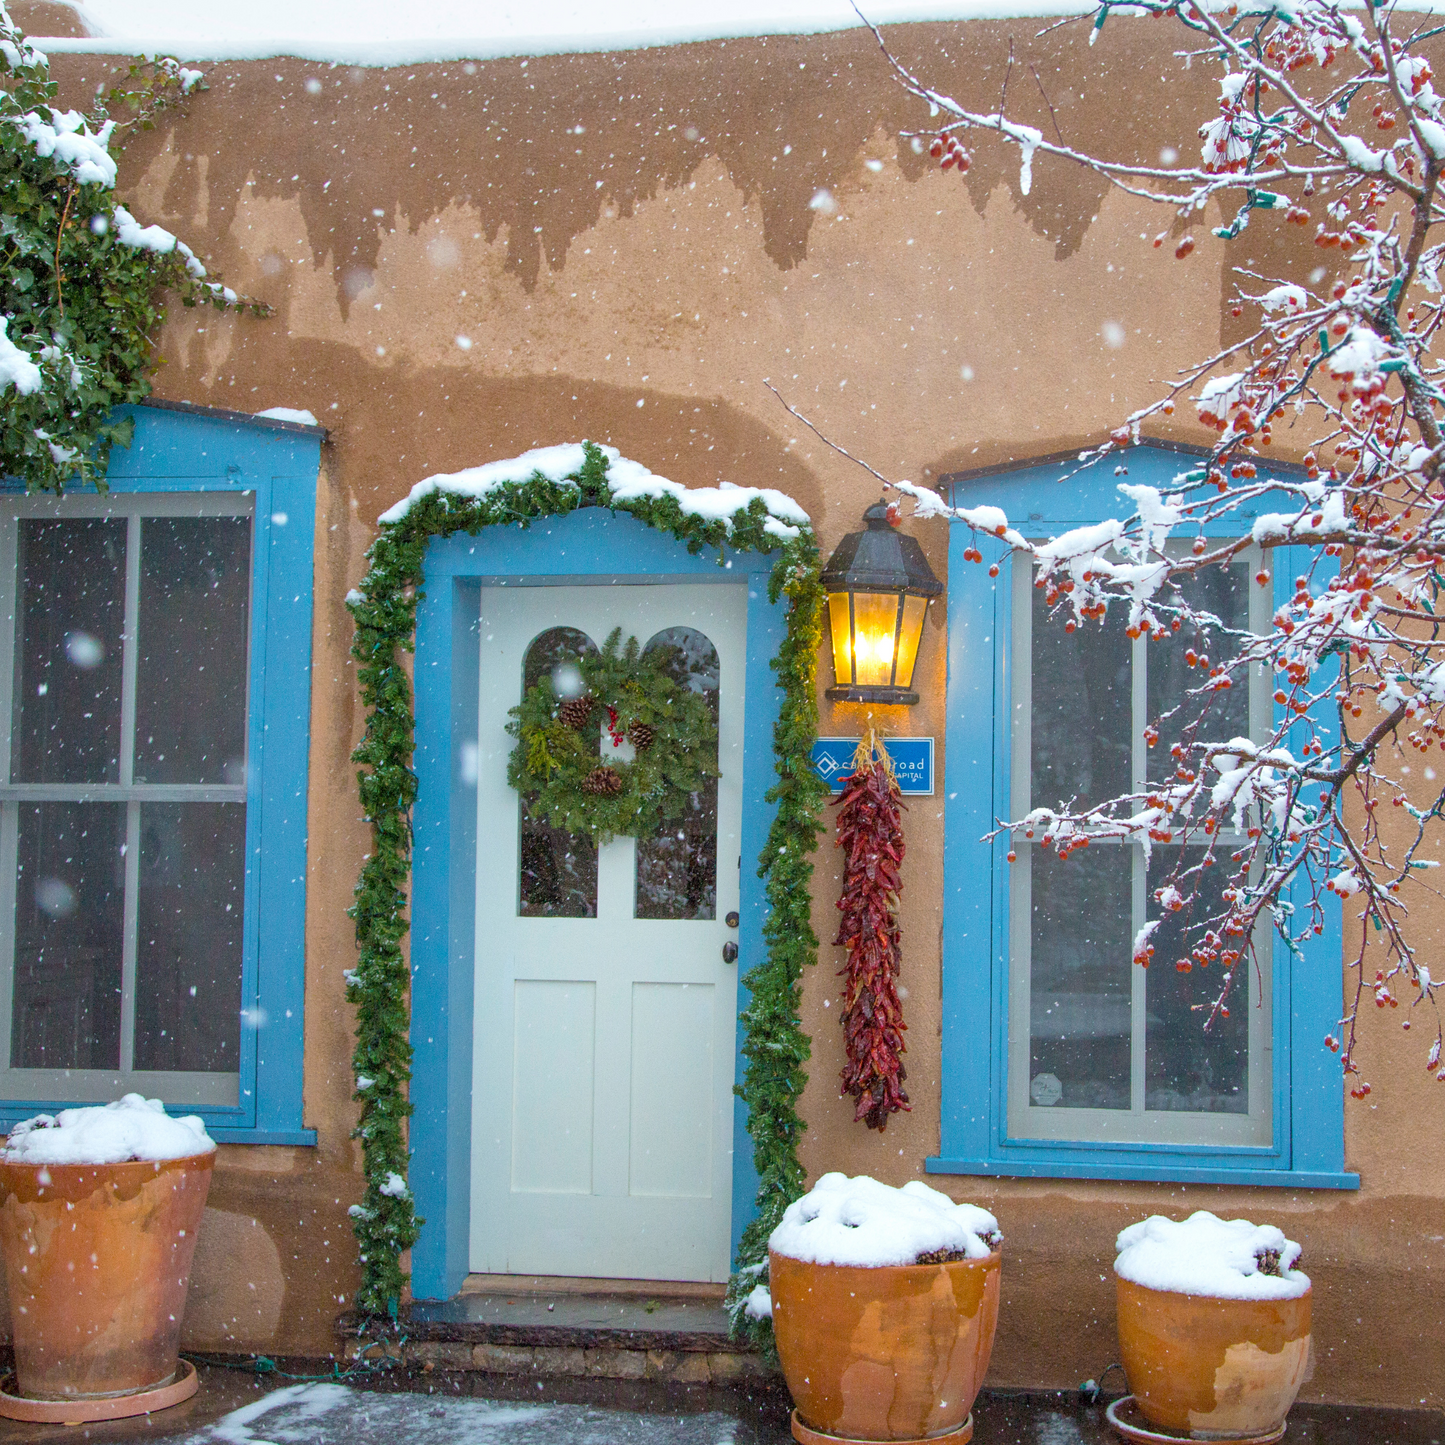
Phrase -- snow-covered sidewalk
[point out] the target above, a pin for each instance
(235, 1408)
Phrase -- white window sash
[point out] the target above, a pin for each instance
(219, 1089)
(1136, 1124)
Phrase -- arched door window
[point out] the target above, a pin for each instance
(558, 869)
(677, 869)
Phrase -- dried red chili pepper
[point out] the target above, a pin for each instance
(870, 832)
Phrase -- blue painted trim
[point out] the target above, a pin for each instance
(1308, 1098)
(1173, 1174)
(585, 547)
(183, 451)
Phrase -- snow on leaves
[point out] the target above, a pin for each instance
(81, 278)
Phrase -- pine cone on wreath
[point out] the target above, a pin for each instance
(603, 782)
(641, 735)
(576, 712)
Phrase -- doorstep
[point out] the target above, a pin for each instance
(629, 1331)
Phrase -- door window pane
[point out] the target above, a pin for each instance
(68, 655)
(190, 724)
(677, 868)
(69, 936)
(1187, 1067)
(188, 936)
(558, 868)
(1081, 709)
(1079, 1011)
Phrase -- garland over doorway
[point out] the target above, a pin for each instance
(552, 482)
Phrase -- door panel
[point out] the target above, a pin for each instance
(604, 1034)
(553, 1026)
(672, 1080)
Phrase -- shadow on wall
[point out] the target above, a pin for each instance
(544, 147)
(237, 1285)
(403, 423)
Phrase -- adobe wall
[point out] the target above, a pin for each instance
(467, 261)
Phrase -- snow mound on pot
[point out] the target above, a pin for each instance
(131, 1128)
(1206, 1255)
(862, 1222)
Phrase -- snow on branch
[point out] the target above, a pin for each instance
(1327, 119)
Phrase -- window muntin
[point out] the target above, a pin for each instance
(1099, 1049)
(123, 795)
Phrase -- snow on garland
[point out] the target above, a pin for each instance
(81, 283)
(646, 703)
(870, 832)
(543, 483)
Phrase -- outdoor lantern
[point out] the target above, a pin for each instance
(878, 584)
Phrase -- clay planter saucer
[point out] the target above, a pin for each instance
(1204, 1368)
(97, 1261)
(894, 1353)
(1126, 1417)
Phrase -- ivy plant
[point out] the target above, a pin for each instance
(775, 1045)
(82, 282)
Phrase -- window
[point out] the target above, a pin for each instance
(154, 702)
(123, 821)
(1060, 1056)
(1099, 1048)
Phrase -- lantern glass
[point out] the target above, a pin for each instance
(915, 609)
(875, 637)
(840, 619)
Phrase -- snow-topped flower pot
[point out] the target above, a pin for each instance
(1214, 1327)
(884, 1303)
(99, 1210)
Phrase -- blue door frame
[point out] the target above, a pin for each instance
(592, 546)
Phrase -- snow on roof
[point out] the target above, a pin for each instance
(863, 1223)
(133, 1127)
(380, 32)
(1206, 1255)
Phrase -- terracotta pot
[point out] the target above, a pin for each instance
(97, 1260)
(1213, 1369)
(893, 1353)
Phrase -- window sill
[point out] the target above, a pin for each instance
(303, 1137)
(1152, 1173)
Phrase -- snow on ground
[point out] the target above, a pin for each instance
(1206, 1255)
(864, 1223)
(326, 1414)
(131, 1128)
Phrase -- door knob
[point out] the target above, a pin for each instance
(731, 919)
(730, 952)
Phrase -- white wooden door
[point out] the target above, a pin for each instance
(604, 1035)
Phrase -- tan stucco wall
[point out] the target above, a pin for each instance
(635, 282)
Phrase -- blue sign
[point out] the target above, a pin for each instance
(912, 761)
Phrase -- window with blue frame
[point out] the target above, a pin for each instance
(1097, 1067)
(154, 692)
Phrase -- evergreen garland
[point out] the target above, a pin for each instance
(776, 1048)
(555, 765)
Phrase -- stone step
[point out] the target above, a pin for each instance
(635, 1335)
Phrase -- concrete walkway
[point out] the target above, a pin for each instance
(237, 1408)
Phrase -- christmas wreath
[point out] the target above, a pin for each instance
(640, 698)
